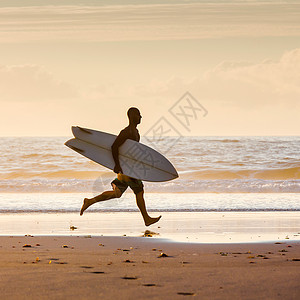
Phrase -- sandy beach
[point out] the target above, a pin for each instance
(90, 267)
(149, 150)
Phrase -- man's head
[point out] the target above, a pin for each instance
(134, 115)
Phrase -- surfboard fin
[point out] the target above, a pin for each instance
(76, 149)
(84, 130)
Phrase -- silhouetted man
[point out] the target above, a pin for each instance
(122, 182)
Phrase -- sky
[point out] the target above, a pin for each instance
(75, 62)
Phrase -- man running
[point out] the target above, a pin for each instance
(121, 183)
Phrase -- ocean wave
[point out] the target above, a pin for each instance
(204, 174)
(270, 174)
(226, 140)
(55, 156)
(102, 183)
(111, 210)
(172, 202)
(58, 174)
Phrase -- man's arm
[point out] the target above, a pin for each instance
(121, 138)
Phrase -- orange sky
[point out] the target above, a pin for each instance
(63, 63)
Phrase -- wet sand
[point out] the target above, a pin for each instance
(200, 227)
(90, 267)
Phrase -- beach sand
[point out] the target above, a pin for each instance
(200, 227)
(91, 267)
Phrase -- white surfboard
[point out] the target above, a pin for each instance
(136, 159)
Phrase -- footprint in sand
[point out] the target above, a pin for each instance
(98, 272)
(128, 261)
(130, 277)
(185, 294)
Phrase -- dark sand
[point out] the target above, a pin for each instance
(130, 268)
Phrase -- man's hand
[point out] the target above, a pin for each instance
(118, 169)
(121, 138)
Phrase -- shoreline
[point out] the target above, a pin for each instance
(157, 240)
(72, 202)
(56, 267)
(190, 227)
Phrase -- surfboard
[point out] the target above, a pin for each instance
(136, 159)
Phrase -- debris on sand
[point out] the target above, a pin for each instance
(27, 246)
(162, 254)
(149, 233)
(130, 277)
(185, 293)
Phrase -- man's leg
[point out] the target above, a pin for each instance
(142, 207)
(116, 193)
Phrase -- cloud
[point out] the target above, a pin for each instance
(241, 98)
(238, 83)
(268, 81)
(160, 21)
(31, 83)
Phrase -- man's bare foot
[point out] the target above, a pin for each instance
(86, 203)
(152, 221)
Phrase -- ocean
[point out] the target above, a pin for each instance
(40, 174)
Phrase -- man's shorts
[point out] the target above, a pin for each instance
(135, 184)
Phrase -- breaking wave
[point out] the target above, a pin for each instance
(206, 174)
(269, 174)
(204, 164)
(179, 186)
